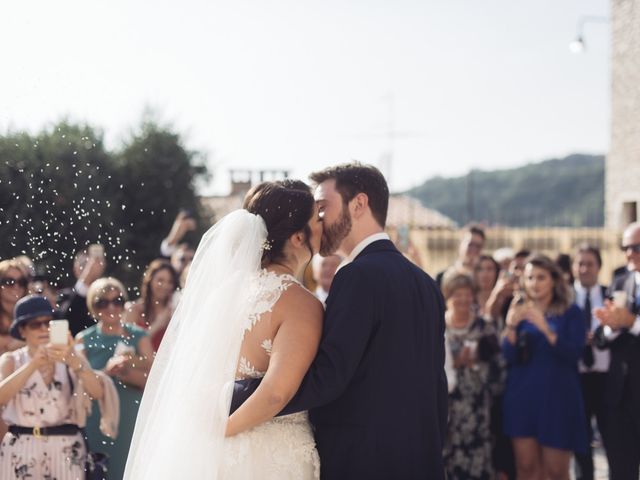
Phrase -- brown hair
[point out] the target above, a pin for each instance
(592, 249)
(286, 207)
(354, 178)
(561, 298)
(154, 267)
(489, 258)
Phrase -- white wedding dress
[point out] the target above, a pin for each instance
(282, 448)
(221, 331)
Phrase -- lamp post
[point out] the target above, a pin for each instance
(578, 44)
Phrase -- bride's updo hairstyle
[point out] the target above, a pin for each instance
(286, 207)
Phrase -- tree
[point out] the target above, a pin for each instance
(61, 190)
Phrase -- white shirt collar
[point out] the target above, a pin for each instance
(361, 246)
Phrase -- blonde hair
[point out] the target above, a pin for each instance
(454, 280)
(5, 266)
(102, 286)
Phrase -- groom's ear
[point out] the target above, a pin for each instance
(359, 205)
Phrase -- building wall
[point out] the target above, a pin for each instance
(622, 175)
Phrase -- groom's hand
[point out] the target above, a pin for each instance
(242, 390)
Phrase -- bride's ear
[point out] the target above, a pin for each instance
(298, 239)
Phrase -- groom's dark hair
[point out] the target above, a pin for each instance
(354, 178)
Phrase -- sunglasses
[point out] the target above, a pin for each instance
(634, 247)
(103, 303)
(10, 282)
(38, 324)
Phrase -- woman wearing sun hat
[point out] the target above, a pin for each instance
(40, 388)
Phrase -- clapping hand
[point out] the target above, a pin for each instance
(116, 365)
(614, 317)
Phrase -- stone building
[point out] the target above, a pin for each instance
(622, 175)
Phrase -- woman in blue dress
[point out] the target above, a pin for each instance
(543, 410)
(123, 351)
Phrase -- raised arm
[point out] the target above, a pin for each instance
(294, 347)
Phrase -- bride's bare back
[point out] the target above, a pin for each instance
(280, 345)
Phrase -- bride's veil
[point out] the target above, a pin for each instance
(179, 432)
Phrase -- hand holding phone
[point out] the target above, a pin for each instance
(59, 332)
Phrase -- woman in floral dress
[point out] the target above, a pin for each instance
(480, 374)
(38, 387)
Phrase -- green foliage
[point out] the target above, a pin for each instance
(558, 192)
(61, 190)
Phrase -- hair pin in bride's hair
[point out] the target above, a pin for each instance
(266, 245)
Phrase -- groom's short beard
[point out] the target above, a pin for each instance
(333, 235)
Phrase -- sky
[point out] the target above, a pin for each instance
(300, 85)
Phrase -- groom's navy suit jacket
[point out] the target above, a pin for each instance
(376, 391)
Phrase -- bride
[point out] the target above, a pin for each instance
(243, 314)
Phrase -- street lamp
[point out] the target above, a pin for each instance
(578, 45)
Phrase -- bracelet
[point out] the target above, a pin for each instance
(79, 370)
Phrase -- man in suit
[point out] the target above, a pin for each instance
(620, 333)
(376, 391)
(594, 363)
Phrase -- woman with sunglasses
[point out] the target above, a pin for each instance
(13, 286)
(123, 351)
(42, 388)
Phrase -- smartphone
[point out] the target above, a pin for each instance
(59, 332)
(620, 298)
(96, 250)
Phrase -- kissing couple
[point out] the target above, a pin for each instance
(356, 391)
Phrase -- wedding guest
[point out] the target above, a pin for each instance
(153, 310)
(73, 301)
(469, 250)
(13, 286)
(324, 268)
(40, 284)
(543, 409)
(594, 363)
(123, 351)
(508, 283)
(474, 346)
(485, 277)
(622, 392)
(42, 392)
(564, 263)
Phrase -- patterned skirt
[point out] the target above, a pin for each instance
(59, 457)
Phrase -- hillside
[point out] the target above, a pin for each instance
(557, 192)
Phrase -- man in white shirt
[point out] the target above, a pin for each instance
(594, 363)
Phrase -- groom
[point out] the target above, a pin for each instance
(376, 391)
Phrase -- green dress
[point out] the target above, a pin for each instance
(99, 348)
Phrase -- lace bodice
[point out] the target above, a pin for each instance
(260, 331)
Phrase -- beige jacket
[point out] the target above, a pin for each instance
(109, 405)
